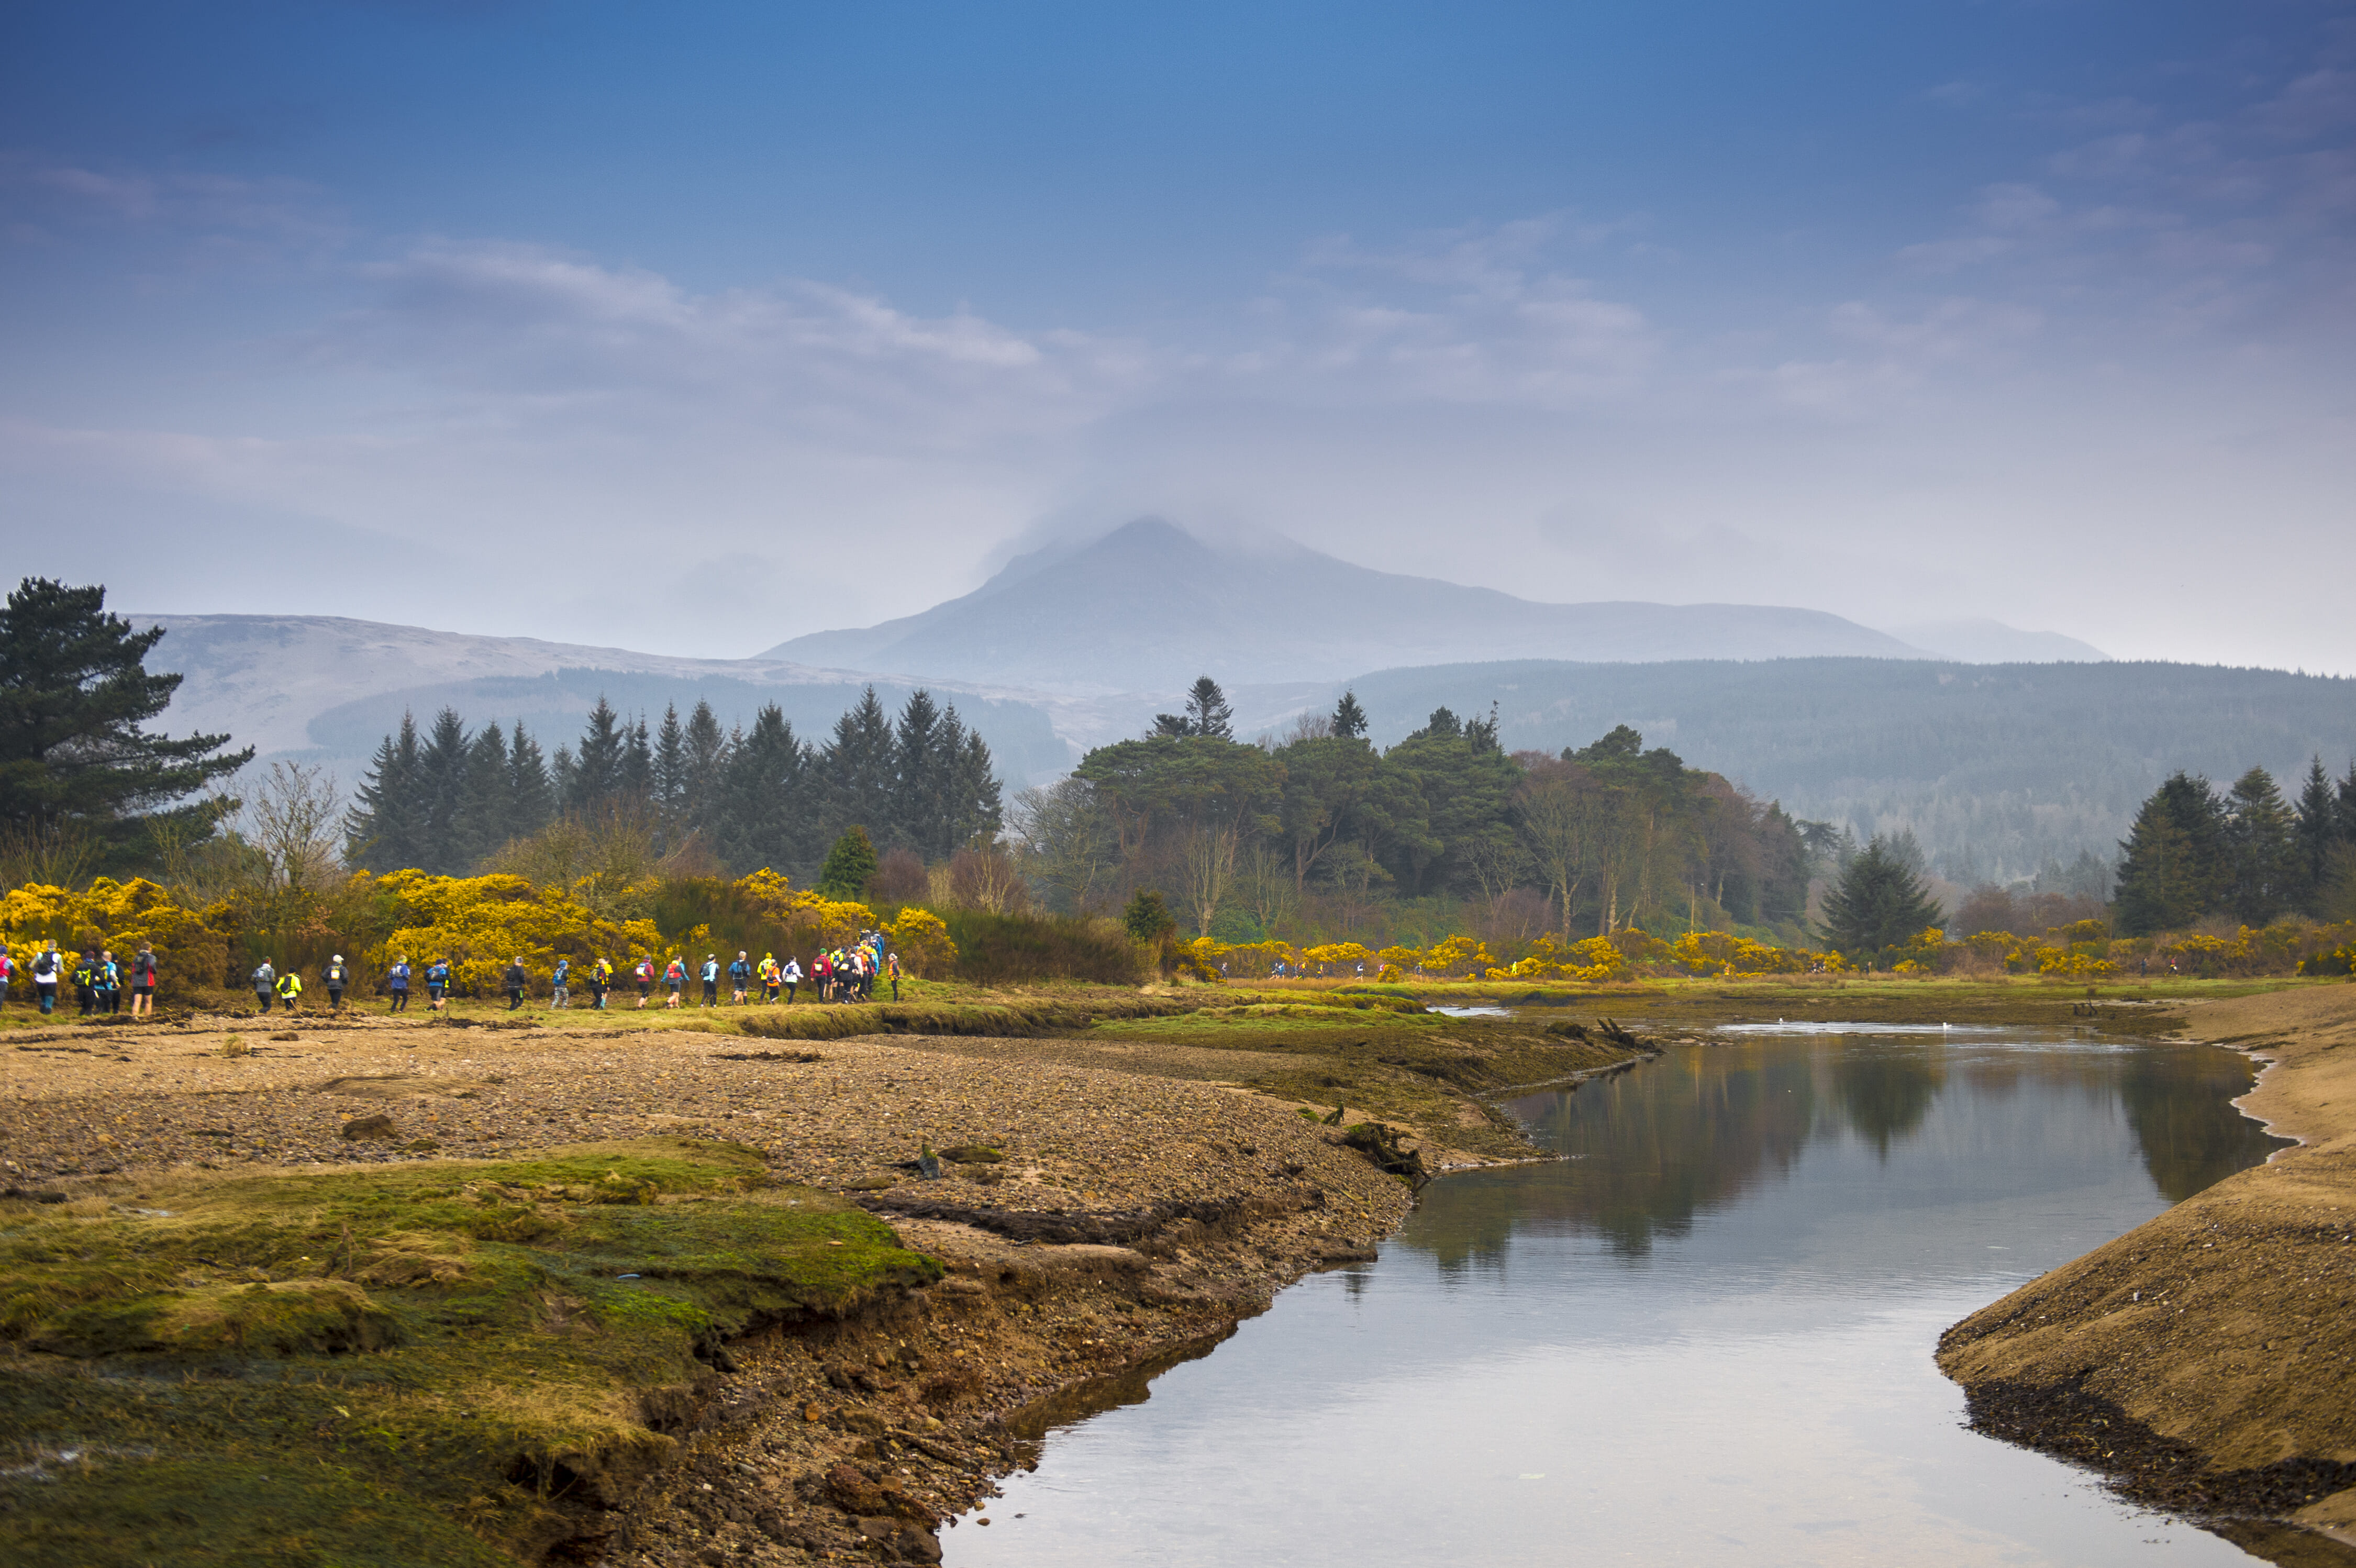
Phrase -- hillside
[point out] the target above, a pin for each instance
(1997, 768)
(1148, 606)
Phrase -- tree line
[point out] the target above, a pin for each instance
(1242, 837)
(2245, 852)
(444, 799)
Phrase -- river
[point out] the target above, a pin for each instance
(1705, 1337)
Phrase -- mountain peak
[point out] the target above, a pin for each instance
(1148, 605)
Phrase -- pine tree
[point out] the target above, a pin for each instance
(670, 798)
(849, 865)
(442, 777)
(2172, 863)
(483, 809)
(2262, 850)
(2318, 829)
(1876, 904)
(381, 831)
(857, 766)
(635, 781)
(597, 766)
(922, 814)
(707, 761)
(563, 777)
(767, 820)
(531, 804)
(1349, 719)
(74, 692)
(976, 810)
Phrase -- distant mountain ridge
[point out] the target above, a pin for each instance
(1148, 607)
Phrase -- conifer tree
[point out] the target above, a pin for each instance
(923, 813)
(857, 765)
(849, 865)
(978, 811)
(2172, 863)
(2318, 831)
(635, 781)
(483, 811)
(531, 801)
(1349, 718)
(669, 796)
(2261, 847)
(597, 766)
(442, 847)
(1878, 903)
(74, 692)
(767, 819)
(707, 759)
(383, 829)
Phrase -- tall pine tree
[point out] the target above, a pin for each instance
(767, 817)
(670, 795)
(2261, 847)
(384, 830)
(636, 779)
(857, 766)
(597, 766)
(483, 812)
(707, 765)
(2318, 831)
(1878, 903)
(531, 802)
(444, 849)
(2172, 865)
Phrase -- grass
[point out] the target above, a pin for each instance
(435, 1362)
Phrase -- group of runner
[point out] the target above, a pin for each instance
(836, 974)
(98, 978)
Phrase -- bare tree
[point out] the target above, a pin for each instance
(984, 876)
(1066, 843)
(295, 821)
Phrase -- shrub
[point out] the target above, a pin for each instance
(998, 949)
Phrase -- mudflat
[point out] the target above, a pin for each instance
(533, 1289)
(2206, 1360)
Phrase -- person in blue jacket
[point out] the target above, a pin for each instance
(396, 981)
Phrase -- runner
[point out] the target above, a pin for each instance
(108, 977)
(290, 989)
(143, 979)
(710, 976)
(85, 979)
(336, 977)
(674, 976)
(895, 963)
(740, 975)
(770, 975)
(601, 981)
(516, 981)
(645, 974)
(265, 983)
(8, 971)
(793, 978)
(564, 992)
(438, 984)
(397, 979)
(46, 965)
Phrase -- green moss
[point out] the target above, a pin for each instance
(395, 1349)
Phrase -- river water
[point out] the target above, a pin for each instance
(1704, 1338)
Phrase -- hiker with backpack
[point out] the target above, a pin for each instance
(562, 994)
(792, 977)
(7, 972)
(290, 991)
(740, 975)
(437, 985)
(336, 977)
(645, 974)
(85, 981)
(674, 976)
(143, 982)
(601, 981)
(711, 973)
(516, 981)
(396, 980)
(48, 965)
(265, 985)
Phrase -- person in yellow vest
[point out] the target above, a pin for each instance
(290, 989)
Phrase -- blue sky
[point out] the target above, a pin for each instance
(692, 328)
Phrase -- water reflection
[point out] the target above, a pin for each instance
(1698, 1130)
(1705, 1336)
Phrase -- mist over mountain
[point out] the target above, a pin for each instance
(1148, 607)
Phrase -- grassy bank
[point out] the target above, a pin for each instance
(447, 1362)
(2204, 1360)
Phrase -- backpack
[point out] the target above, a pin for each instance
(45, 966)
(82, 974)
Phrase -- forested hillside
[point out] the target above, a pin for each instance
(1997, 770)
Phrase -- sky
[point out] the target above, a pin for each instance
(693, 329)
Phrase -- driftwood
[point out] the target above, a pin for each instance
(1382, 1145)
